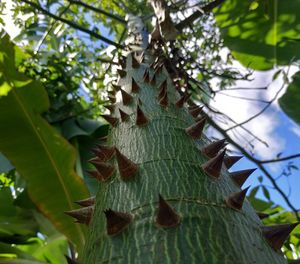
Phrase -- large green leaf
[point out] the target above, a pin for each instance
(290, 101)
(261, 33)
(43, 158)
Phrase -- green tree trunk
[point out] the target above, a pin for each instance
(205, 225)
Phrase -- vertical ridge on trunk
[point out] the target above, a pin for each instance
(169, 163)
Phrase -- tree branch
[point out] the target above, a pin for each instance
(259, 165)
(98, 10)
(189, 20)
(281, 159)
(72, 24)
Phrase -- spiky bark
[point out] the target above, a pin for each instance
(171, 198)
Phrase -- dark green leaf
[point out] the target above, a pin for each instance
(290, 101)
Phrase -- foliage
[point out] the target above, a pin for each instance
(289, 102)
(261, 33)
(39, 154)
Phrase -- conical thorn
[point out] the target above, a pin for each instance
(262, 215)
(166, 215)
(141, 119)
(116, 222)
(146, 77)
(239, 177)
(87, 202)
(180, 102)
(162, 90)
(112, 99)
(196, 111)
(213, 166)
(213, 148)
(127, 168)
(103, 152)
(105, 170)
(195, 130)
(82, 215)
(122, 73)
(229, 161)
(134, 86)
(124, 116)
(126, 97)
(70, 260)
(236, 200)
(112, 120)
(277, 234)
(111, 108)
(135, 64)
(164, 100)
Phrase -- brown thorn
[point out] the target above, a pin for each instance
(213, 148)
(126, 97)
(135, 64)
(196, 111)
(195, 130)
(262, 215)
(124, 116)
(111, 108)
(112, 99)
(116, 87)
(162, 89)
(87, 202)
(112, 120)
(116, 222)
(277, 234)
(180, 102)
(104, 153)
(122, 73)
(153, 80)
(105, 170)
(82, 215)
(236, 200)
(140, 101)
(166, 215)
(127, 168)
(134, 86)
(141, 119)
(70, 260)
(164, 100)
(239, 177)
(146, 77)
(229, 161)
(213, 166)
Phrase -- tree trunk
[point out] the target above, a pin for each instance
(168, 202)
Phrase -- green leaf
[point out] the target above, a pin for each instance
(43, 158)
(261, 33)
(266, 192)
(290, 101)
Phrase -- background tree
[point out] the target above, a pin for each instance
(61, 40)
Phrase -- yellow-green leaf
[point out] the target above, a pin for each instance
(39, 153)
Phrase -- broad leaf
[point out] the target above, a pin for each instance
(261, 33)
(290, 101)
(43, 158)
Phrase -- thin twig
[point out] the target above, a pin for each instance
(49, 30)
(72, 24)
(258, 164)
(281, 159)
(98, 10)
(263, 109)
(189, 20)
(242, 98)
